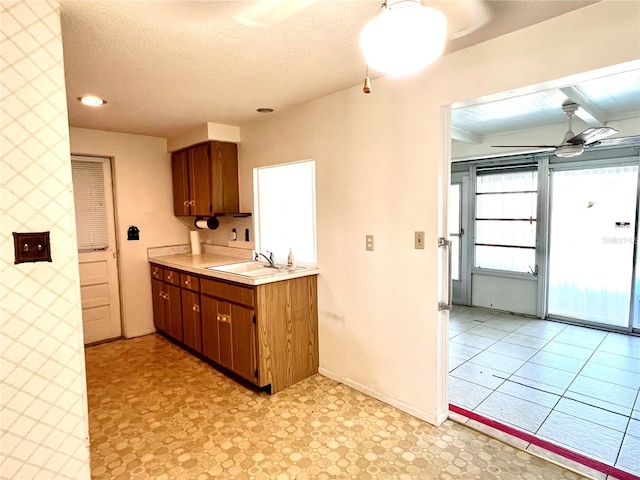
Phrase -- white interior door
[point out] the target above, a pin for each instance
(97, 250)
(457, 221)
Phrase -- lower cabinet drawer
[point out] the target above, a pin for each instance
(233, 293)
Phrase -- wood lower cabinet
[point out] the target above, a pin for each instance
(167, 310)
(266, 334)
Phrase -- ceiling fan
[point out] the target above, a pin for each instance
(573, 145)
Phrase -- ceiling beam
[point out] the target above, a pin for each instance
(465, 136)
(588, 112)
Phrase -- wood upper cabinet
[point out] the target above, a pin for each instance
(205, 179)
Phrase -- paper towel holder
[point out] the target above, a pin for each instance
(206, 222)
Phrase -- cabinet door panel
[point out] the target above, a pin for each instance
(180, 176)
(200, 180)
(191, 322)
(174, 311)
(209, 317)
(243, 342)
(158, 301)
(224, 158)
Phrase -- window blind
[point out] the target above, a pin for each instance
(91, 210)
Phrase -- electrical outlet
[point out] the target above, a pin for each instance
(419, 240)
(370, 243)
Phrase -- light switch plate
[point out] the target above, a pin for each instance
(419, 240)
(31, 247)
(370, 243)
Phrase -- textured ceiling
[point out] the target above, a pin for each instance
(166, 67)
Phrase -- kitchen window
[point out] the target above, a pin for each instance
(285, 210)
(505, 223)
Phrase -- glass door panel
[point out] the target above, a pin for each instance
(591, 243)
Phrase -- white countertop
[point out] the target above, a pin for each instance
(197, 264)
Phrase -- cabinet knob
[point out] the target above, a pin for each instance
(186, 203)
(196, 308)
(186, 282)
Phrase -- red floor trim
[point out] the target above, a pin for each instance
(553, 448)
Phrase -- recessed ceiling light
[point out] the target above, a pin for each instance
(92, 100)
(264, 110)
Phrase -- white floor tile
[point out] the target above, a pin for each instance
(473, 340)
(499, 362)
(525, 340)
(585, 332)
(616, 361)
(464, 351)
(609, 392)
(488, 332)
(635, 414)
(514, 411)
(588, 438)
(466, 394)
(480, 375)
(613, 375)
(568, 350)
(546, 375)
(543, 387)
(597, 402)
(593, 414)
(540, 329)
(512, 350)
(619, 344)
(634, 428)
(504, 325)
(568, 364)
(529, 393)
(629, 457)
(570, 338)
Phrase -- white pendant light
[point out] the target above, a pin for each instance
(404, 37)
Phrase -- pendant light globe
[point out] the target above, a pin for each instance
(403, 38)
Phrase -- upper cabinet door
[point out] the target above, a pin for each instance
(224, 158)
(200, 180)
(180, 175)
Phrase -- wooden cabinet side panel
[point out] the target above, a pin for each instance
(191, 321)
(180, 179)
(158, 302)
(224, 158)
(174, 311)
(225, 333)
(287, 324)
(200, 180)
(209, 318)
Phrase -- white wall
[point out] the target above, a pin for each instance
(380, 169)
(143, 197)
(43, 416)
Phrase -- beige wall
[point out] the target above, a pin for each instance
(143, 197)
(381, 165)
(43, 420)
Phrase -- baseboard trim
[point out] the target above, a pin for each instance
(394, 402)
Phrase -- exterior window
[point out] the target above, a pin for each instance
(505, 223)
(91, 210)
(285, 210)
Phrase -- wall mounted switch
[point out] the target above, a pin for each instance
(31, 247)
(419, 240)
(370, 243)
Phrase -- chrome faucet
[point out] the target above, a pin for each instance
(270, 258)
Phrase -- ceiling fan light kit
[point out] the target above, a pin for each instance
(403, 38)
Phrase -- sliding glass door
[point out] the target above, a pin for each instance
(591, 244)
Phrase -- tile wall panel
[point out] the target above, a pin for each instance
(43, 420)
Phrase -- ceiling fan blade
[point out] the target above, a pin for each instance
(620, 141)
(591, 135)
(265, 13)
(524, 146)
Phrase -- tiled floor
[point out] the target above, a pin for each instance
(158, 413)
(576, 387)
